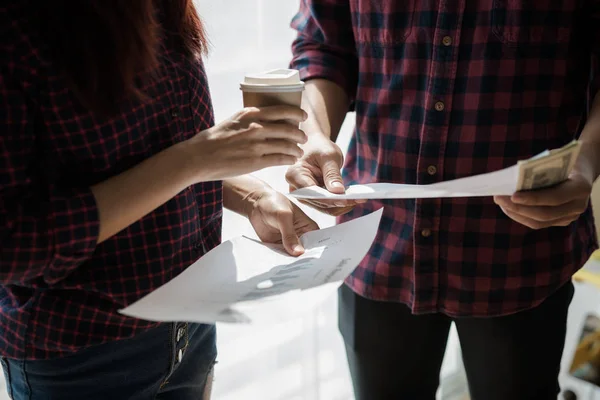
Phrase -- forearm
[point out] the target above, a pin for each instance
(129, 196)
(48, 236)
(590, 138)
(240, 193)
(327, 105)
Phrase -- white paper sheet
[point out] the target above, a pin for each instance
(244, 280)
(502, 182)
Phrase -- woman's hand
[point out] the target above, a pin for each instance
(276, 219)
(253, 139)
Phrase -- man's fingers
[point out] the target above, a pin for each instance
(533, 224)
(312, 204)
(544, 213)
(336, 212)
(333, 211)
(316, 204)
(299, 178)
(555, 196)
(332, 203)
(332, 176)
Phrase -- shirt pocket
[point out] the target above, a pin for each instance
(533, 22)
(383, 22)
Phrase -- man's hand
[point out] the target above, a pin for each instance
(320, 166)
(556, 206)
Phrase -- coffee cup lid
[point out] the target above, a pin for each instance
(279, 80)
(278, 77)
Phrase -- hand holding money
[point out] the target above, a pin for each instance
(551, 189)
(549, 168)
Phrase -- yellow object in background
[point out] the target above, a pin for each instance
(590, 273)
(595, 255)
(586, 359)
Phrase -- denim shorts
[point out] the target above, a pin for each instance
(172, 361)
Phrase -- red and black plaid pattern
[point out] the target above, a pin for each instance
(59, 291)
(444, 90)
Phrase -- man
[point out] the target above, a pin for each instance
(444, 90)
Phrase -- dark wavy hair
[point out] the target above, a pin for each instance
(104, 47)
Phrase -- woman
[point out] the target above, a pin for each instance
(110, 185)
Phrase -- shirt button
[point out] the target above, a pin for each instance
(180, 355)
(175, 112)
(179, 334)
(439, 106)
(447, 41)
(426, 233)
(432, 170)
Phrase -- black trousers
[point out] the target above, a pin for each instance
(393, 354)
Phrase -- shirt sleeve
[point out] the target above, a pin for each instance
(594, 33)
(324, 47)
(45, 231)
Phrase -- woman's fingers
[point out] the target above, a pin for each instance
(270, 130)
(277, 146)
(271, 160)
(274, 113)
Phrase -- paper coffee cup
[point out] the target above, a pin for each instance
(273, 88)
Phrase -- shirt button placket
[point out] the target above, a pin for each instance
(425, 238)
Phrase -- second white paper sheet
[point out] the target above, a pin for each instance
(244, 280)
